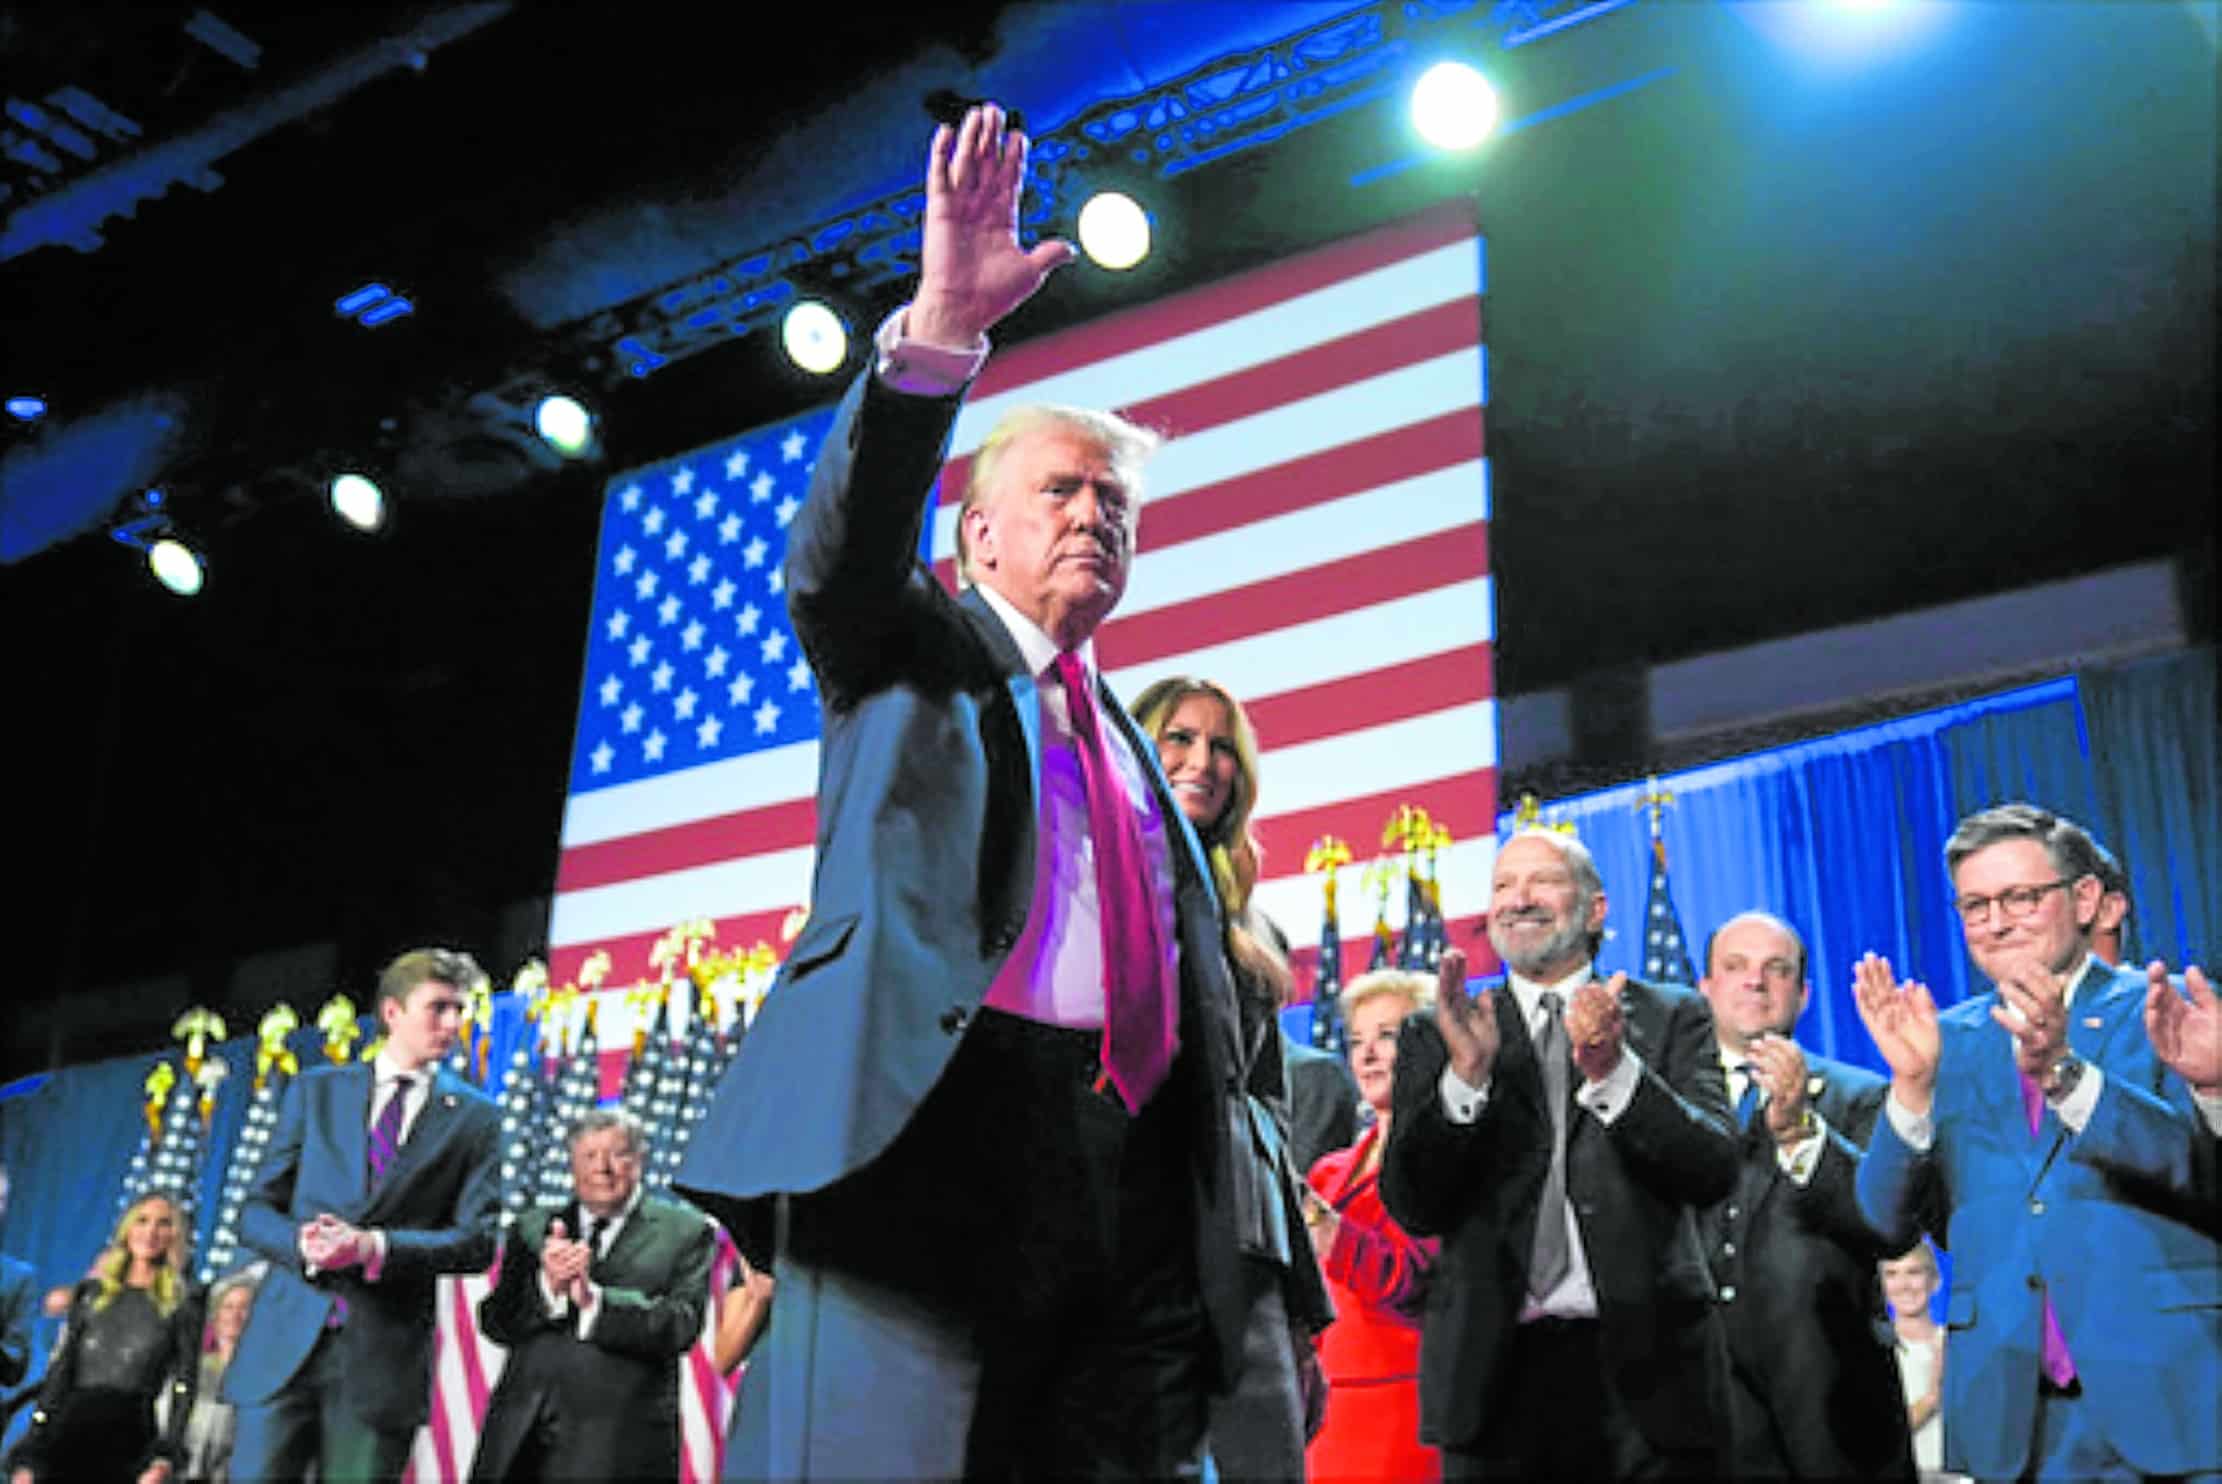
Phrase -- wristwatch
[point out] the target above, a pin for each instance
(2065, 1074)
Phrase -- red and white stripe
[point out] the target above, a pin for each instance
(1315, 538)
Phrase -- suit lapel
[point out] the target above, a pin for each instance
(425, 1138)
(351, 1094)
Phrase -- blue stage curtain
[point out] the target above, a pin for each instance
(2159, 783)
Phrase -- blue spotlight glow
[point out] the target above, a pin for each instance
(26, 409)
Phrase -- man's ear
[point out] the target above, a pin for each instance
(979, 537)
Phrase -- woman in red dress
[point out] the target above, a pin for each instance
(1375, 1271)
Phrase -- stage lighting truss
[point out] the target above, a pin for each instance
(1245, 100)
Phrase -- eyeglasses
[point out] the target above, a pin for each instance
(2017, 901)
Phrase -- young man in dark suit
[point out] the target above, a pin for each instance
(379, 1177)
(598, 1301)
(1813, 1384)
(1559, 1133)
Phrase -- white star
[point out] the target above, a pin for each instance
(659, 679)
(798, 675)
(628, 498)
(652, 746)
(736, 463)
(706, 735)
(644, 586)
(620, 621)
(690, 637)
(623, 561)
(791, 446)
(612, 690)
(675, 546)
(602, 755)
(729, 530)
(760, 489)
(774, 647)
(683, 704)
(743, 686)
(682, 483)
(705, 504)
(628, 720)
(752, 555)
(767, 717)
(713, 663)
(721, 596)
(748, 618)
(668, 611)
(638, 650)
(698, 570)
(786, 509)
(653, 521)
(777, 582)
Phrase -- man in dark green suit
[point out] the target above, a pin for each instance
(598, 1300)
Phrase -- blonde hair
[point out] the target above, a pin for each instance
(1414, 988)
(1236, 856)
(114, 1263)
(1129, 444)
(1921, 1252)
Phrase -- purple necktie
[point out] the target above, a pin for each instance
(385, 1132)
(2053, 1353)
(1138, 1005)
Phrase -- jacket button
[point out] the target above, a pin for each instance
(955, 1019)
(1734, 1212)
(2034, 1281)
(2036, 1208)
(1728, 1249)
(1728, 1293)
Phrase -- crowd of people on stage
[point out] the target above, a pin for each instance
(1031, 1183)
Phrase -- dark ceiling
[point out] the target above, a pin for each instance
(1777, 342)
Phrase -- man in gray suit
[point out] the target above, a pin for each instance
(992, 1096)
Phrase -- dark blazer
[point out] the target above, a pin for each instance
(2116, 1224)
(19, 1311)
(927, 803)
(437, 1207)
(1322, 1102)
(1635, 1187)
(1795, 1269)
(615, 1395)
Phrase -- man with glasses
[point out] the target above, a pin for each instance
(2070, 1167)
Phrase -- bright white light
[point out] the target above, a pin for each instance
(1114, 230)
(176, 566)
(359, 502)
(1845, 35)
(565, 424)
(1453, 106)
(814, 337)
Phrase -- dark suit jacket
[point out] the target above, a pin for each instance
(2115, 1224)
(19, 1311)
(1635, 1188)
(1322, 1103)
(615, 1395)
(1803, 1305)
(436, 1206)
(927, 804)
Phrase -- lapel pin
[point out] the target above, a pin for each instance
(2092, 1022)
(447, 1100)
(1813, 1086)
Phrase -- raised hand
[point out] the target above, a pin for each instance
(972, 270)
(1594, 1028)
(2033, 1007)
(1902, 1019)
(1468, 1022)
(2186, 1033)
(1780, 1067)
(563, 1261)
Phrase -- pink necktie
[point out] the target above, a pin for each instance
(2052, 1354)
(1138, 1008)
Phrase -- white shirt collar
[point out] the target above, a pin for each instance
(1530, 994)
(618, 1217)
(1034, 646)
(386, 1066)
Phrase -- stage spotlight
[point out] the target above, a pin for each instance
(358, 501)
(1114, 230)
(176, 566)
(1453, 106)
(26, 409)
(566, 425)
(814, 337)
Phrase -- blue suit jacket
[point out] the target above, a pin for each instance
(2116, 1223)
(927, 801)
(437, 1207)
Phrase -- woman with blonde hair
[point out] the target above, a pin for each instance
(1376, 1271)
(133, 1333)
(1210, 759)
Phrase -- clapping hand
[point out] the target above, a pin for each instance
(2033, 1007)
(563, 1262)
(1779, 1064)
(1902, 1019)
(1594, 1027)
(1468, 1022)
(972, 270)
(2186, 1034)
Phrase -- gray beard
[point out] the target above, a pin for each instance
(1569, 944)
